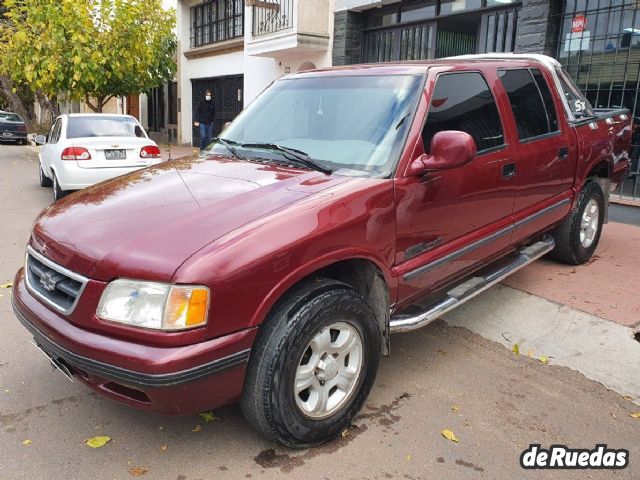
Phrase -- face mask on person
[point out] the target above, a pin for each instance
(208, 97)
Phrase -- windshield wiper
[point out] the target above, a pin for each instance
(229, 145)
(292, 154)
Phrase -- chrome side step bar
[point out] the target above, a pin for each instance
(469, 289)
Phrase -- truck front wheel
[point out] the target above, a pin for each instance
(578, 235)
(313, 364)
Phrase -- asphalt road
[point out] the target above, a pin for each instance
(438, 378)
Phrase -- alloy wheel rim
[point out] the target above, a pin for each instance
(589, 223)
(328, 371)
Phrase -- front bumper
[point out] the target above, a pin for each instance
(170, 380)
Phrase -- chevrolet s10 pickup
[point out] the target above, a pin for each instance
(342, 205)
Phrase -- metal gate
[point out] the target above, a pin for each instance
(228, 98)
(599, 46)
(411, 42)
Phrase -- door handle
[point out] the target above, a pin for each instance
(508, 170)
(563, 153)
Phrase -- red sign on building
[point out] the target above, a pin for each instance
(578, 24)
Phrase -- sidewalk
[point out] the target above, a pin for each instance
(176, 151)
(607, 287)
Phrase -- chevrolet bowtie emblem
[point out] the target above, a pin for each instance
(48, 281)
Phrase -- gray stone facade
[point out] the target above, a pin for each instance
(537, 31)
(347, 37)
(538, 26)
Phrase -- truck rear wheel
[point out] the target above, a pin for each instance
(313, 364)
(578, 235)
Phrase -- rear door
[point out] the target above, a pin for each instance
(451, 221)
(545, 153)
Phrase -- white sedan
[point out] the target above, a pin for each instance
(84, 149)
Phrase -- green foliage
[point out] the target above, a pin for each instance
(88, 48)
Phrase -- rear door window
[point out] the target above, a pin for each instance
(463, 101)
(533, 115)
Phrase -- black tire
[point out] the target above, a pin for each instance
(268, 400)
(58, 193)
(24, 142)
(569, 249)
(44, 180)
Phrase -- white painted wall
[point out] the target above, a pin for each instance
(259, 72)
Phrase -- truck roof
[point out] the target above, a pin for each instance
(420, 66)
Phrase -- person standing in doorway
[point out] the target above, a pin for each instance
(204, 117)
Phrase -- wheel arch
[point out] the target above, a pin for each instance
(364, 273)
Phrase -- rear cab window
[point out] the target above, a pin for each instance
(462, 101)
(578, 104)
(531, 102)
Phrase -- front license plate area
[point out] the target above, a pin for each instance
(55, 363)
(115, 154)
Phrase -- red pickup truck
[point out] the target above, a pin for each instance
(341, 206)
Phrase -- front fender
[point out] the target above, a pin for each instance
(249, 269)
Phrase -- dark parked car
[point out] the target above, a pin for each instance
(260, 273)
(12, 128)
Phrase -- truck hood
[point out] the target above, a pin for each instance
(146, 224)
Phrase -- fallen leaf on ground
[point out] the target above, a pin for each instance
(197, 428)
(163, 447)
(345, 432)
(516, 349)
(530, 353)
(455, 408)
(26, 443)
(6, 285)
(635, 415)
(449, 435)
(544, 359)
(138, 471)
(628, 397)
(208, 416)
(408, 457)
(97, 442)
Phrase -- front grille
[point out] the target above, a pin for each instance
(55, 285)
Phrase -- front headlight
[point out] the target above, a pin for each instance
(154, 305)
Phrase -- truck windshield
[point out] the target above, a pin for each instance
(355, 123)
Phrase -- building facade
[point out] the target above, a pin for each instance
(596, 41)
(236, 48)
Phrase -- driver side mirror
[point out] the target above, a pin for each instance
(449, 149)
(41, 139)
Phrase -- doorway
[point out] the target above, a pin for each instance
(228, 97)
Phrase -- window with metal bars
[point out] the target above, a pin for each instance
(599, 47)
(216, 21)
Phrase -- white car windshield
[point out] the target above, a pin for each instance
(348, 122)
(103, 126)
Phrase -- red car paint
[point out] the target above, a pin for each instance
(251, 231)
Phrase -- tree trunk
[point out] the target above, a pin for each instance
(47, 106)
(100, 103)
(14, 99)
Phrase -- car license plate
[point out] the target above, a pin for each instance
(7, 134)
(55, 363)
(115, 154)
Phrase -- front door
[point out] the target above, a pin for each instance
(450, 221)
(228, 98)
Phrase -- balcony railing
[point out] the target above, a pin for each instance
(270, 16)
